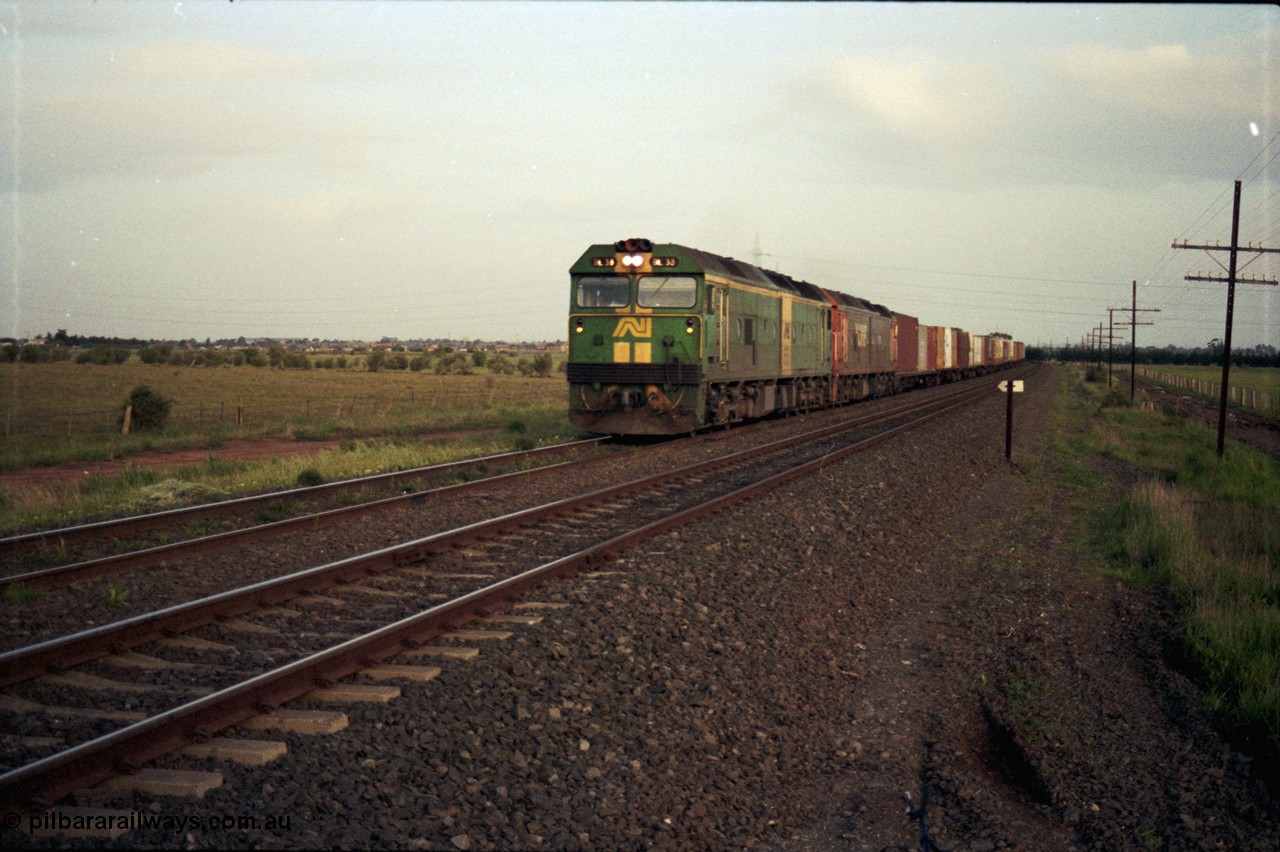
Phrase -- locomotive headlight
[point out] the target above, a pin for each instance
(688, 326)
(635, 260)
(577, 328)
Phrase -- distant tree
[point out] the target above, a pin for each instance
(156, 353)
(211, 357)
(103, 355)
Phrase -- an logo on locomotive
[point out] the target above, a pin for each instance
(637, 327)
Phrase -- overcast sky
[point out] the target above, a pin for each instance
(431, 169)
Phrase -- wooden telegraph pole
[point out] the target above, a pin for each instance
(1111, 341)
(1231, 279)
(1134, 310)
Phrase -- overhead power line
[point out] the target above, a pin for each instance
(1234, 249)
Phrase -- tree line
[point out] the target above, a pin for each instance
(441, 361)
(1262, 355)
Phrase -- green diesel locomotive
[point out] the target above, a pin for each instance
(665, 339)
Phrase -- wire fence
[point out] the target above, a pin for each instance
(268, 412)
(1263, 401)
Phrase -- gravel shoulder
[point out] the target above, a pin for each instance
(923, 615)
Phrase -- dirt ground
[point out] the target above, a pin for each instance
(240, 450)
(257, 449)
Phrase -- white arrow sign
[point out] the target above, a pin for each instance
(1017, 386)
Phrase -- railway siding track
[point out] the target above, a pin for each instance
(37, 547)
(90, 762)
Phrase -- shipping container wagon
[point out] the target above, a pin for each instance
(906, 346)
(962, 359)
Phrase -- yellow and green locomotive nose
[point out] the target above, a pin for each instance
(635, 373)
(634, 339)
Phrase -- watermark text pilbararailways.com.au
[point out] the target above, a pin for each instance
(55, 821)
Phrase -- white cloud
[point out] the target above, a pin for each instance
(164, 109)
(209, 61)
(1168, 79)
(922, 97)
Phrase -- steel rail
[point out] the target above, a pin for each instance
(61, 575)
(40, 784)
(139, 523)
(61, 653)
(47, 578)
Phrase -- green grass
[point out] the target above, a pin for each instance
(137, 490)
(1204, 530)
(1262, 380)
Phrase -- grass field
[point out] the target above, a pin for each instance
(1202, 530)
(63, 412)
(52, 413)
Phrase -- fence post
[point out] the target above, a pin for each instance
(128, 418)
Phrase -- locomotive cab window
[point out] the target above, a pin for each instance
(604, 291)
(667, 291)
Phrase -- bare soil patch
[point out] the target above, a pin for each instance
(246, 450)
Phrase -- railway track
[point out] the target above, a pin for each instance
(256, 648)
(172, 528)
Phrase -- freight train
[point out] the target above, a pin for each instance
(665, 340)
